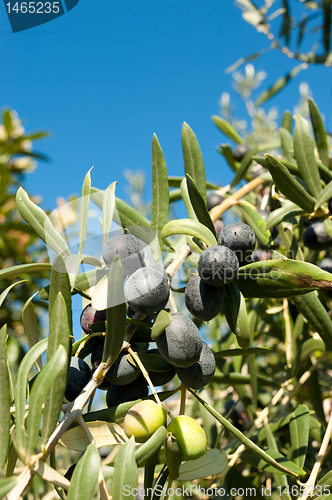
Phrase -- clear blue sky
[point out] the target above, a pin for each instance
(108, 74)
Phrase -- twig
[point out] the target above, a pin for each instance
(183, 399)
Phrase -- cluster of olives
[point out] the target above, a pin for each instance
(218, 265)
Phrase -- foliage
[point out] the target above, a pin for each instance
(299, 29)
(265, 412)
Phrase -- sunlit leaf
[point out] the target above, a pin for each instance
(299, 433)
(85, 476)
(160, 195)
(40, 222)
(288, 185)
(304, 151)
(108, 211)
(288, 211)
(236, 314)
(39, 391)
(5, 421)
(193, 160)
(162, 320)
(103, 433)
(278, 85)
(254, 219)
(31, 327)
(151, 446)
(84, 211)
(226, 128)
(125, 475)
(199, 205)
(190, 227)
(319, 131)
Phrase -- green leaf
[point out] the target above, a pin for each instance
(319, 131)
(227, 153)
(245, 164)
(260, 464)
(278, 461)
(116, 313)
(7, 484)
(108, 211)
(51, 475)
(21, 389)
(257, 224)
(39, 391)
(193, 160)
(288, 211)
(162, 320)
(278, 85)
(236, 315)
(286, 140)
(175, 182)
(315, 313)
(281, 278)
(85, 477)
(289, 240)
(324, 195)
(31, 327)
(286, 122)
(5, 421)
(186, 198)
(288, 185)
(59, 334)
(83, 282)
(103, 433)
(327, 26)
(190, 227)
(328, 227)
(326, 481)
(175, 195)
(7, 290)
(299, 433)
(84, 211)
(41, 223)
(199, 205)
(241, 352)
(213, 462)
(160, 194)
(226, 128)
(7, 121)
(11, 272)
(125, 475)
(304, 151)
(151, 446)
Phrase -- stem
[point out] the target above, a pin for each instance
(310, 484)
(147, 378)
(172, 301)
(169, 486)
(183, 399)
(178, 260)
(217, 211)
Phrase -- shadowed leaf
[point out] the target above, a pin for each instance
(125, 475)
(299, 433)
(5, 420)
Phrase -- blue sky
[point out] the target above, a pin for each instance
(107, 75)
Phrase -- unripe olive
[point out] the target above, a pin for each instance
(190, 436)
(143, 419)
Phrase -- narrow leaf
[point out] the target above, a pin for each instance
(39, 391)
(162, 320)
(299, 433)
(288, 185)
(85, 477)
(40, 222)
(108, 211)
(59, 334)
(5, 421)
(116, 313)
(254, 219)
(51, 475)
(226, 128)
(190, 227)
(199, 205)
(160, 194)
(245, 164)
(125, 475)
(319, 131)
(4, 294)
(175, 182)
(286, 122)
(286, 143)
(7, 484)
(193, 160)
(304, 151)
(11, 272)
(31, 327)
(213, 462)
(21, 389)
(271, 458)
(288, 211)
(315, 313)
(151, 446)
(186, 199)
(103, 433)
(227, 153)
(84, 211)
(278, 85)
(328, 227)
(324, 196)
(236, 315)
(281, 278)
